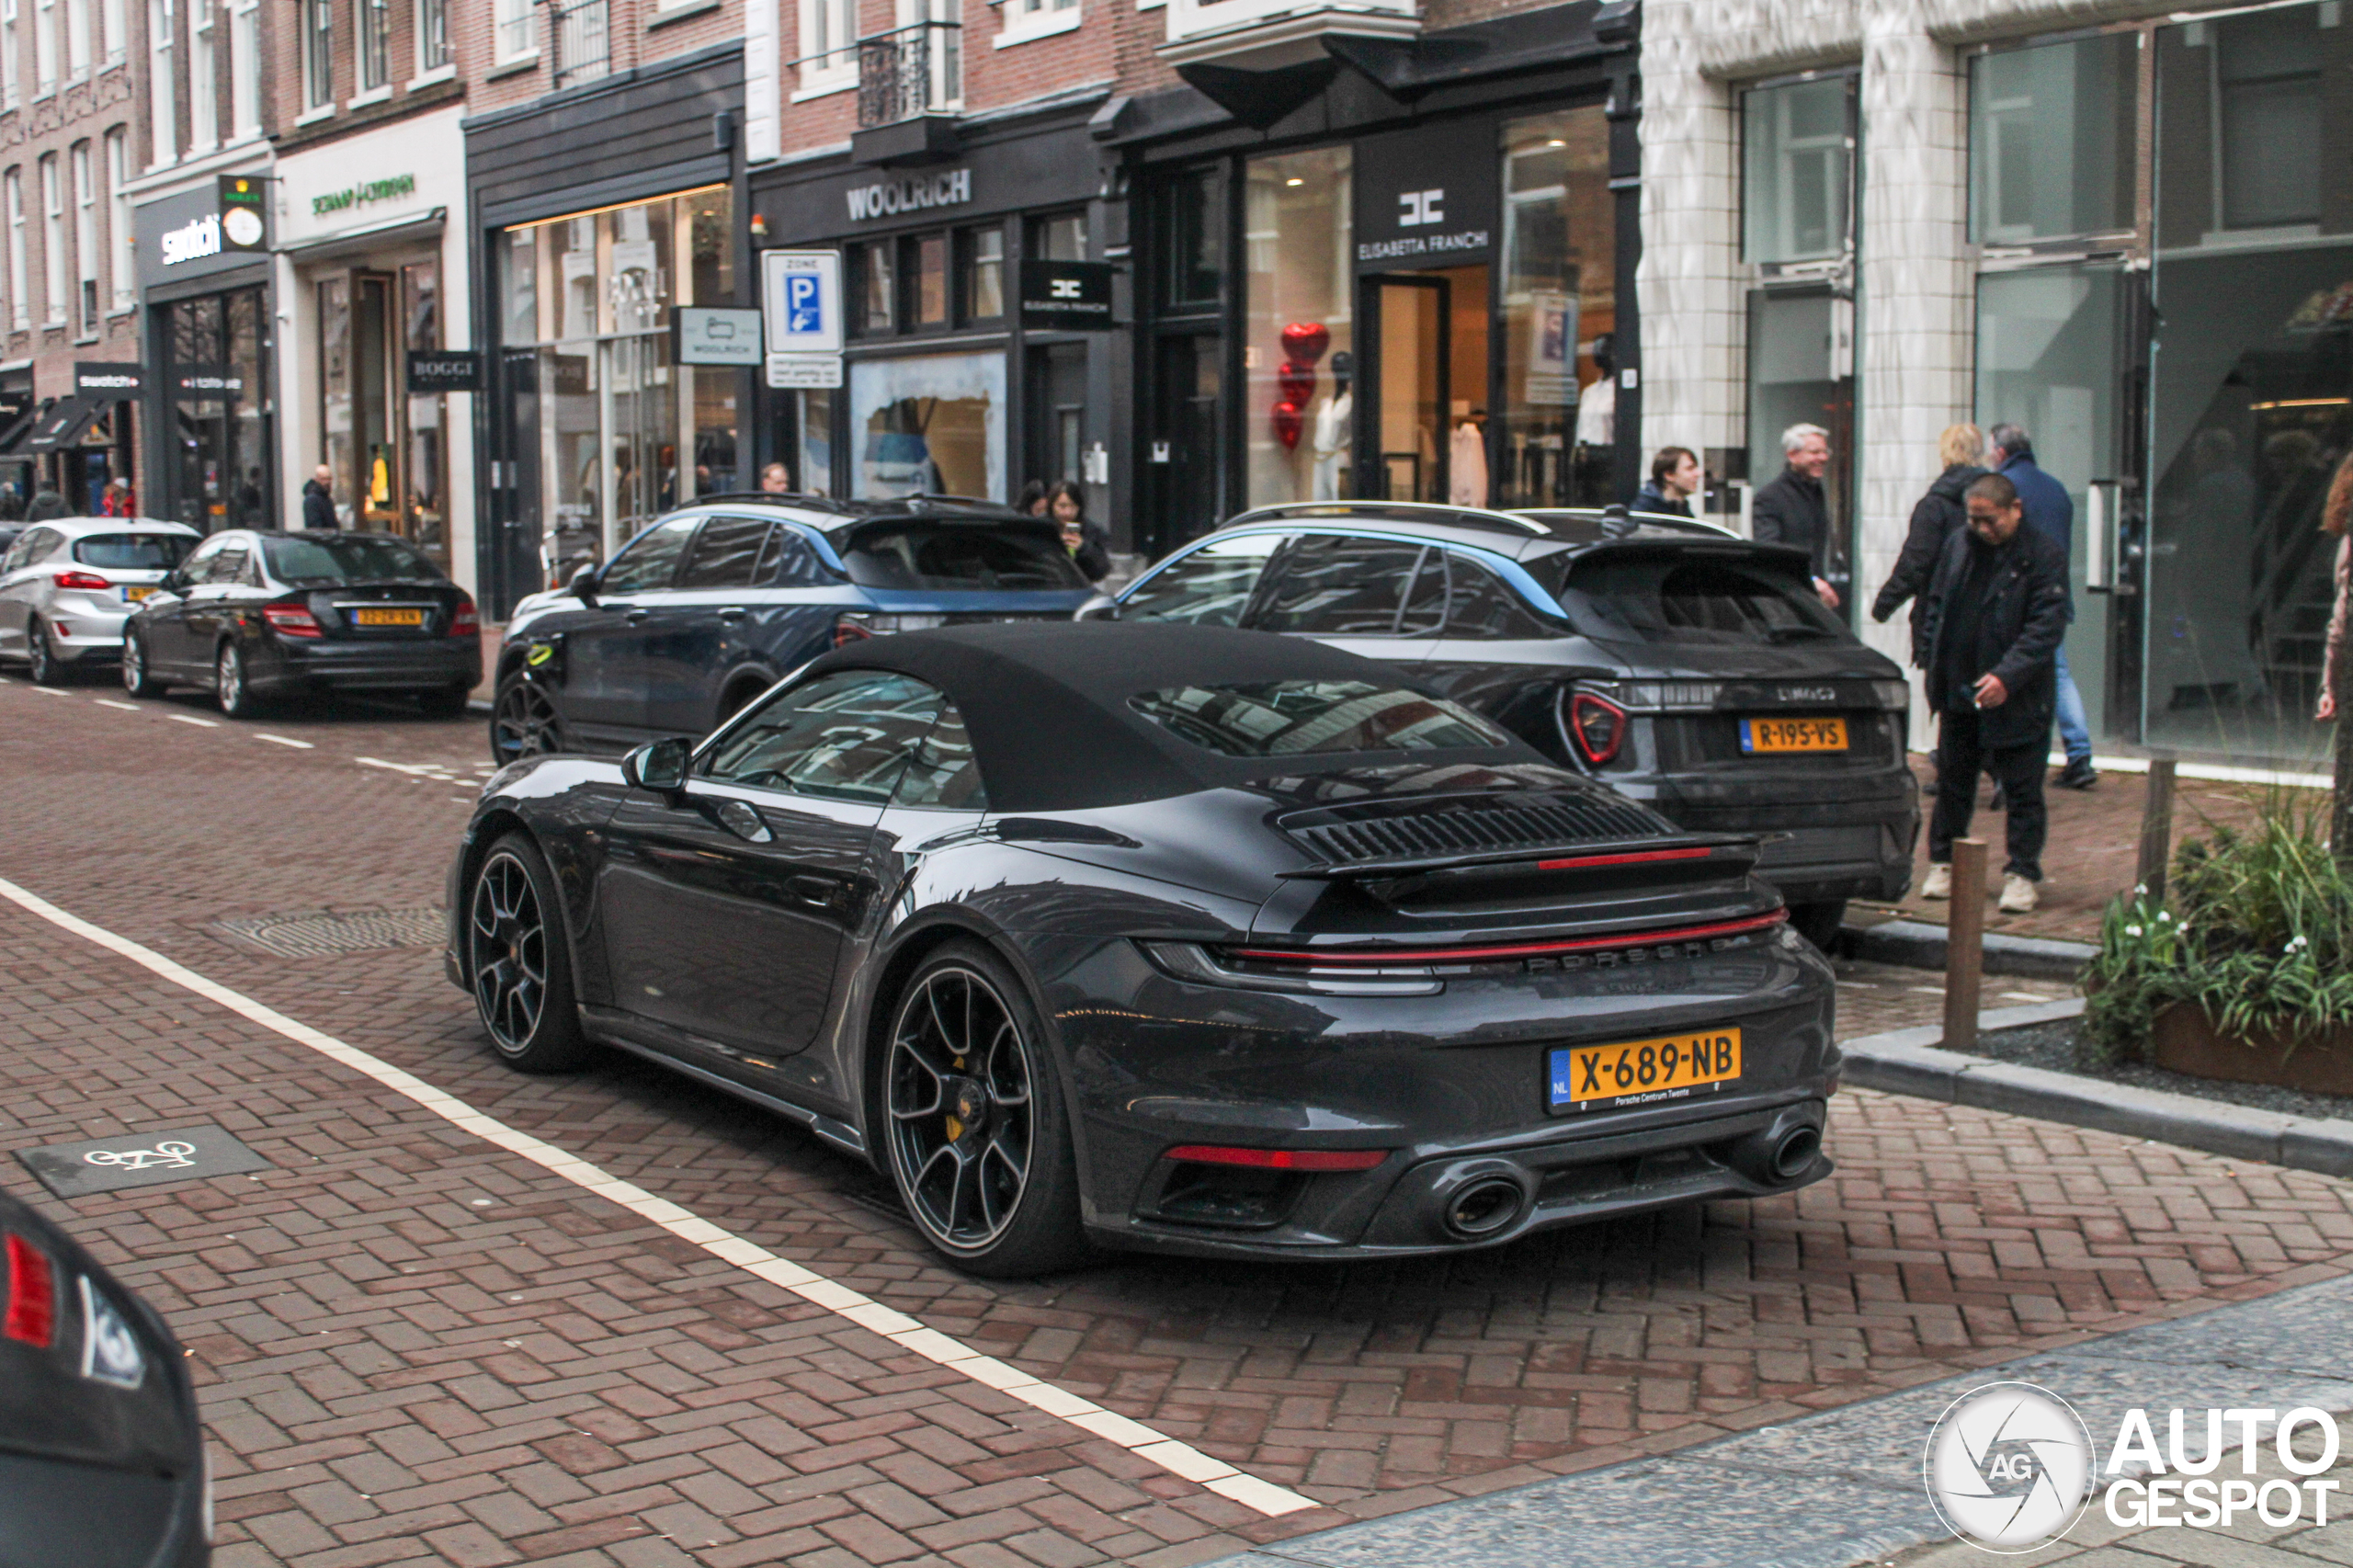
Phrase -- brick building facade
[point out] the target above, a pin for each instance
(70, 130)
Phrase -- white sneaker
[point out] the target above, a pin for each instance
(1939, 882)
(2019, 895)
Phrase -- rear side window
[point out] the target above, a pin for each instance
(349, 558)
(944, 774)
(951, 555)
(845, 736)
(1481, 604)
(1296, 718)
(31, 547)
(789, 561)
(1331, 587)
(1210, 588)
(726, 553)
(651, 561)
(1699, 600)
(229, 566)
(132, 552)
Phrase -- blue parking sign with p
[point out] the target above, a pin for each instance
(804, 309)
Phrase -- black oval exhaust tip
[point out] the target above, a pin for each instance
(1483, 1208)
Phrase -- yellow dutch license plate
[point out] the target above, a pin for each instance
(133, 595)
(1590, 1077)
(388, 618)
(1793, 734)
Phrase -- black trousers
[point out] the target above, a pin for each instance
(2018, 769)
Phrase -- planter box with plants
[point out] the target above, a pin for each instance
(2245, 970)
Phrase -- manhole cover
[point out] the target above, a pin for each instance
(320, 933)
(139, 1159)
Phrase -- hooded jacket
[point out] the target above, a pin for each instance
(1935, 517)
(2015, 639)
(318, 506)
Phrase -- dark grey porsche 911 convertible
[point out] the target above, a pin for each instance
(1161, 937)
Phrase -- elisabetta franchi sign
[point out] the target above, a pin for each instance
(1425, 200)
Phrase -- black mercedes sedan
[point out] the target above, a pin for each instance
(1684, 666)
(101, 1451)
(254, 613)
(1164, 936)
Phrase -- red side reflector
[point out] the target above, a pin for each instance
(1581, 862)
(1280, 1159)
(33, 1295)
(1516, 951)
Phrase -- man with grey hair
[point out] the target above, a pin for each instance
(1794, 510)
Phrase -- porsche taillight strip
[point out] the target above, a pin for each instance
(1640, 857)
(1511, 951)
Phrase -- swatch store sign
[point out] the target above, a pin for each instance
(201, 232)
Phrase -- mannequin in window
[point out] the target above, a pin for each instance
(1334, 436)
(1597, 402)
(1466, 458)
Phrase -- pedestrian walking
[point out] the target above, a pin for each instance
(1088, 543)
(776, 480)
(1675, 479)
(2049, 512)
(1936, 517)
(1987, 631)
(318, 499)
(1793, 509)
(47, 504)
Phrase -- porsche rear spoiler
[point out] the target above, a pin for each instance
(1721, 853)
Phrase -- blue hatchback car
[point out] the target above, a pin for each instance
(710, 606)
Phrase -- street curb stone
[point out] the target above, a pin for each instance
(1918, 945)
(1911, 1061)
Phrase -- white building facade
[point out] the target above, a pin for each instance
(2128, 230)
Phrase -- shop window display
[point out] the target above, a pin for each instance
(621, 433)
(931, 424)
(1299, 327)
(1559, 446)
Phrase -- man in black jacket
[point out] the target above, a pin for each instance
(318, 500)
(1987, 632)
(1793, 509)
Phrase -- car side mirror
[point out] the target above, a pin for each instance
(583, 584)
(658, 764)
(173, 582)
(1102, 606)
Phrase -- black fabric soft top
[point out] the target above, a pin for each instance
(1046, 703)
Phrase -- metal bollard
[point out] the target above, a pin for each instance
(1965, 944)
(2156, 829)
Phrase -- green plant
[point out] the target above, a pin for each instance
(2258, 933)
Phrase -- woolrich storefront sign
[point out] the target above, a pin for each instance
(951, 187)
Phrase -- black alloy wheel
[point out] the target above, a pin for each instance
(517, 961)
(523, 722)
(41, 659)
(229, 688)
(138, 679)
(979, 1146)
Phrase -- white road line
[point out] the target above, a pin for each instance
(110, 703)
(47, 691)
(1178, 1459)
(192, 719)
(281, 740)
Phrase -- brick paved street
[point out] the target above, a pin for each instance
(412, 1347)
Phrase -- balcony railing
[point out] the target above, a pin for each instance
(914, 70)
(583, 35)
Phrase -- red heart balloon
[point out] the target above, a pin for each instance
(1287, 425)
(1304, 341)
(1297, 383)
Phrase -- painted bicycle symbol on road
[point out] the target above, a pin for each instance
(171, 1154)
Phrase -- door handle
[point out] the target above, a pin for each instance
(731, 613)
(635, 616)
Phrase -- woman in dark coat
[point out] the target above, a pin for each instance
(1934, 518)
(1088, 543)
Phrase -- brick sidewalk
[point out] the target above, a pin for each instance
(2093, 854)
(651, 1392)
